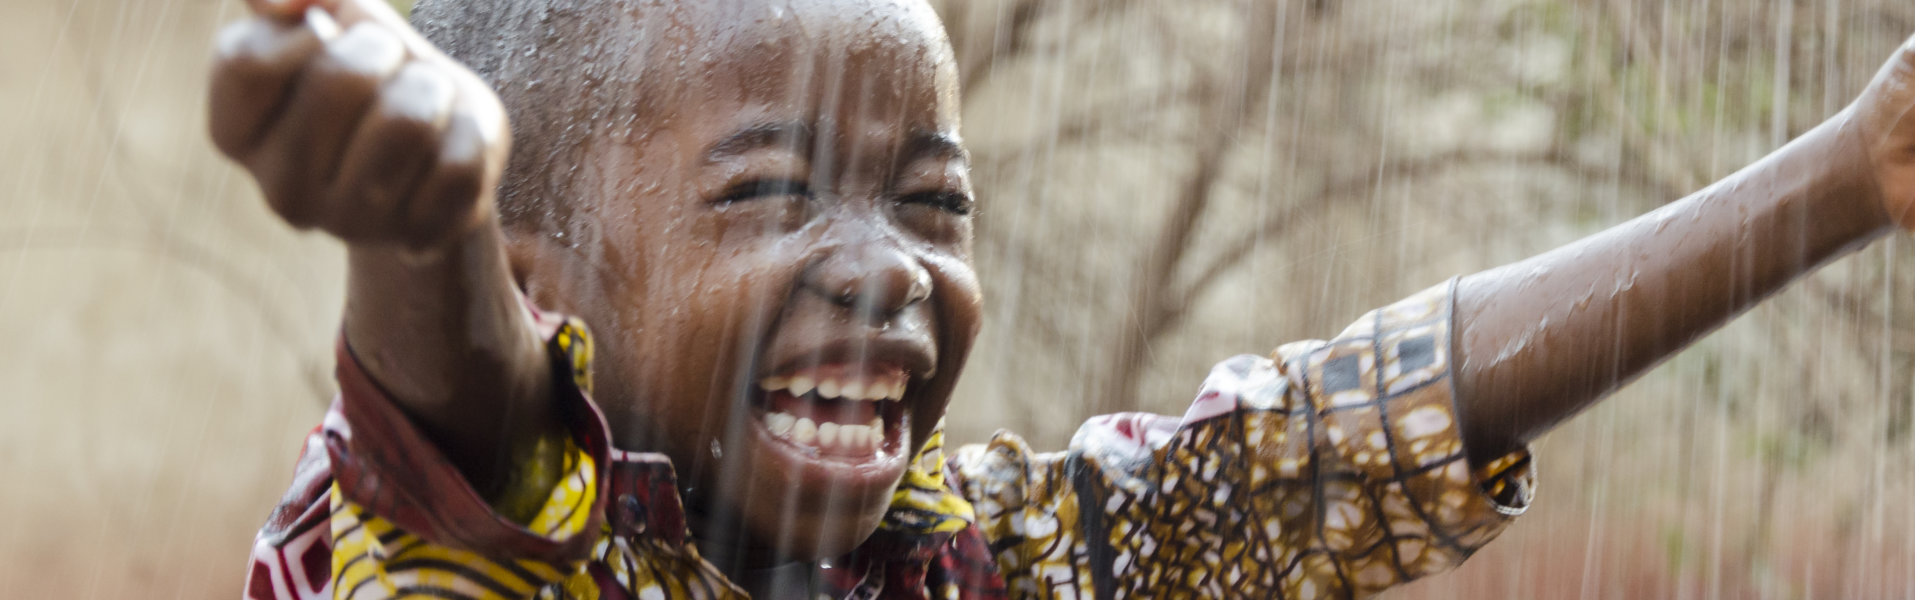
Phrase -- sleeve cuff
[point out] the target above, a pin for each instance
(386, 465)
(1384, 393)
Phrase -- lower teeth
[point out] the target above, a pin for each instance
(828, 435)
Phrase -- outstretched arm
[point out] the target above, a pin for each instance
(1540, 339)
(354, 125)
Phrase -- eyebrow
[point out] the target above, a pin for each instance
(919, 144)
(791, 134)
(933, 144)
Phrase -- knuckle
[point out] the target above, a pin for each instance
(260, 44)
(419, 91)
(245, 40)
(230, 43)
(367, 49)
(465, 145)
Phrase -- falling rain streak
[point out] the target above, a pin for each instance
(1161, 185)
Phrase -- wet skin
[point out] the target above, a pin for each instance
(806, 205)
(796, 201)
(799, 203)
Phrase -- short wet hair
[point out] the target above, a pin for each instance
(564, 70)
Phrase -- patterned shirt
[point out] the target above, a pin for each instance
(1331, 469)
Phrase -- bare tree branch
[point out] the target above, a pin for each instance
(1148, 306)
(1329, 194)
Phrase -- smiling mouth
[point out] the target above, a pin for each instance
(848, 412)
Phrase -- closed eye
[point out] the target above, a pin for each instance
(958, 203)
(763, 188)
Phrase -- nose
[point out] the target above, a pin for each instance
(874, 280)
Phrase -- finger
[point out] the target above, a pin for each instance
(354, 12)
(302, 149)
(489, 115)
(448, 199)
(255, 61)
(395, 144)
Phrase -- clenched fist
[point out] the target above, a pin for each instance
(352, 123)
(1882, 122)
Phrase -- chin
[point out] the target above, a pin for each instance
(801, 503)
(813, 536)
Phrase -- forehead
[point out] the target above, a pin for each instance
(825, 61)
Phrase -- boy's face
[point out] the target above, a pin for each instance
(776, 262)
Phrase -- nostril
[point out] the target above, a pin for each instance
(846, 298)
(873, 280)
(921, 287)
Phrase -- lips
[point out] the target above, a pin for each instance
(846, 400)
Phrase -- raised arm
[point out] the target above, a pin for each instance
(354, 125)
(1540, 339)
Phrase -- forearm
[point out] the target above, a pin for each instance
(447, 337)
(1539, 340)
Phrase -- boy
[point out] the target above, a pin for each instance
(762, 208)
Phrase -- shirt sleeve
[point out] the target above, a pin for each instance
(1329, 469)
(405, 521)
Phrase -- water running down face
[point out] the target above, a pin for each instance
(777, 265)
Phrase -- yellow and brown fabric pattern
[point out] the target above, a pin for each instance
(1329, 470)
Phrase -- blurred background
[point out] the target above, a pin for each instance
(1164, 184)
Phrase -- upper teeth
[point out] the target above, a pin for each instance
(855, 387)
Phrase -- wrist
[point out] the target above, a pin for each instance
(1856, 159)
(480, 231)
(1841, 176)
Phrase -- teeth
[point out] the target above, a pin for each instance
(780, 423)
(773, 383)
(799, 386)
(803, 430)
(877, 388)
(827, 435)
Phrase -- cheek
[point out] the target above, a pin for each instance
(715, 310)
(962, 304)
(958, 308)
